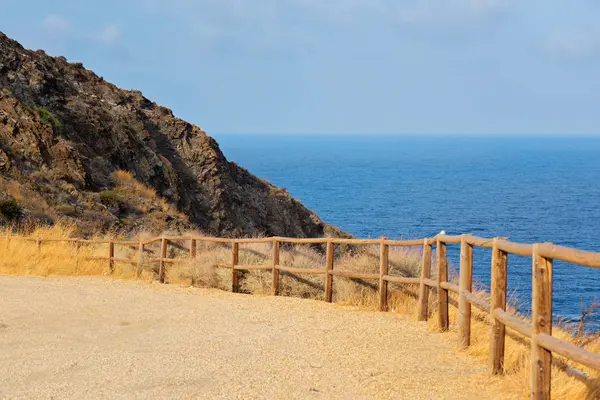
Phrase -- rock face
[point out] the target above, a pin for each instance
(64, 132)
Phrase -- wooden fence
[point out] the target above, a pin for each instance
(538, 330)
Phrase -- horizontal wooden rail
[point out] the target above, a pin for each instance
(525, 250)
(513, 322)
(449, 286)
(570, 351)
(479, 242)
(430, 282)
(56, 240)
(302, 241)
(165, 260)
(357, 241)
(309, 271)
(354, 275)
(150, 241)
(254, 267)
(404, 243)
(126, 243)
(567, 254)
(477, 301)
(93, 241)
(449, 239)
(402, 279)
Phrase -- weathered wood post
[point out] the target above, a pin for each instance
(138, 270)
(193, 248)
(111, 256)
(442, 276)
(38, 245)
(383, 271)
(465, 284)
(77, 255)
(498, 300)
(275, 267)
(161, 263)
(423, 311)
(329, 272)
(235, 274)
(541, 316)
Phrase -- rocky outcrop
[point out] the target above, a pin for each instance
(64, 131)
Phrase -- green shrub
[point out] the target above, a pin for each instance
(47, 118)
(111, 198)
(10, 209)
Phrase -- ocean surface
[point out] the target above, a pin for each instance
(527, 189)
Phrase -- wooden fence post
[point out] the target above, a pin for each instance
(423, 311)
(498, 300)
(111, 255)
(161, 263)
(442, 276)
(383, 270)
(541, 316)
(465, 284)
(235, 274)
(77, 255)
(275, 267)
(329, 272)
(192, 248)
(138, 270)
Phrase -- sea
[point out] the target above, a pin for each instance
(528, 189)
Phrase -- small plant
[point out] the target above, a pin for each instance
(47, 118)
(111, 198)
(10, 209)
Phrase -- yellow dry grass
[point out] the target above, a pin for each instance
(145, 196)
(58, 258)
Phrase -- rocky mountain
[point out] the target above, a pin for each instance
(76, 148)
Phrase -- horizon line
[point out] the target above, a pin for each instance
(470, 135)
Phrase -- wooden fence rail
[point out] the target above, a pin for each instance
(538, 330)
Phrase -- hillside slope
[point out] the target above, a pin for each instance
(65, 132)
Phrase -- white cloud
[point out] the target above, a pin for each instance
(56, 24)
(279, 24)
(109, 36)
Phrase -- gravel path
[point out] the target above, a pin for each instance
(87, 338)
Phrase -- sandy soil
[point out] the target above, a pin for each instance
(87, 338)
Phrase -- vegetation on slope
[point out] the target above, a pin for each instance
(64, 132)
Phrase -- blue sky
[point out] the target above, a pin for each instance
(338, 66)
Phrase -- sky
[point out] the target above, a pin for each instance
(477, 67)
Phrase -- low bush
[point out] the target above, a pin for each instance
(10, 209)
(47, 118)
(111, 198)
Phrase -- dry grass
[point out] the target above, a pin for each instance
(57, 258)
(144, 197)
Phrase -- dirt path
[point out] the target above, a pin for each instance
(100, 338)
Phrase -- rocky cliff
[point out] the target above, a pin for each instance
(67, 135)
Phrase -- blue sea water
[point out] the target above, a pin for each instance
(527, 189)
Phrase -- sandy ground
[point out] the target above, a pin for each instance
(87, 338)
